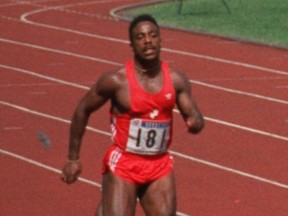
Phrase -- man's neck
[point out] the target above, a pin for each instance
(149, 68)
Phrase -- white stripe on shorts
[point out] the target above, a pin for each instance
(114, 158)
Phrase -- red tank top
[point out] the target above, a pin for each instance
(147, 127)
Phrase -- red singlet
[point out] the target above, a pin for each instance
(142, 136)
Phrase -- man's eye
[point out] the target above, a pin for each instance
(139, 36)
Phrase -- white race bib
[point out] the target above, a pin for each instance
(148, 136)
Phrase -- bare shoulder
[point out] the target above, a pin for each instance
(111, 81)
(180, 80)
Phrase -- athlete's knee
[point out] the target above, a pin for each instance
(163, 211)
(168, 210)
(161, 207)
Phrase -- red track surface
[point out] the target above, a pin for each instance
(49, 58)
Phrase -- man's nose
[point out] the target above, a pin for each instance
(147, 39)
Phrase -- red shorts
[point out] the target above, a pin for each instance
(137, 169)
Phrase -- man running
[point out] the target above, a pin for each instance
(143, 94)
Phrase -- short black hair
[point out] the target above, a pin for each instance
(138, 19)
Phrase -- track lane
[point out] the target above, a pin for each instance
(268, 209)
(60, 65)
(201, 178)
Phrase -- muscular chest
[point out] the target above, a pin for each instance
(151, 85)
(148, 99)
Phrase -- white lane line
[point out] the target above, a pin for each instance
(285, 86)
(257, 178)
(252, 130)
(12, 128)
(45, 8)
(239, 92)
(38, 93)
(58, 171)
(244, 174)
(60, 52)
(41, 165)
(25, 19)
(241, 64)
(23, 85)
(120, 64)
(24, 109)
(44, 77)
(207, 118)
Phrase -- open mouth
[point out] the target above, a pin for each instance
(149, 50)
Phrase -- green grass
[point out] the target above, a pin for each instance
(263, 21)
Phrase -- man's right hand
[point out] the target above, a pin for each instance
(71, 171)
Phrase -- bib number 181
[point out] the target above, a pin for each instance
(151, 138)
(148, 137)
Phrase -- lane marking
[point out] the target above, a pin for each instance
(252, 130)
(24, 18)
(28, 85)
(259, 68)
(207, 163)
(244, 79)
(20, 3)
(239, 92)
(282, 86)
(241, 64)
(206, 118)
(41, 165)
(182, 214)
(278, 184)
(58, 171)
(24, 109)
(60, 52)
(13, 128)
(120, 64)
(38, 93)
(44, 77)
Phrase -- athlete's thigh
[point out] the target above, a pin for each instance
(118, 196)
(159, 198)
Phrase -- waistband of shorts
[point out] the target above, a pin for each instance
(141, 156)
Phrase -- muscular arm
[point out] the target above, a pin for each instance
(186, 104)
(103, 90)
(92, 101)
(97, 96)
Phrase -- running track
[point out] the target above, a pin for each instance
(52, 51)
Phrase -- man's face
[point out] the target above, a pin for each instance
(146, 41)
